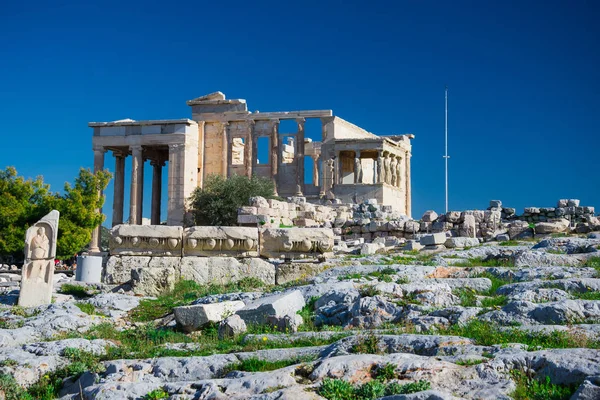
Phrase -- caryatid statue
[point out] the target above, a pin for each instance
(380, 178)
(386, 166)
(399, 171)
(394, 177)
(357, 170)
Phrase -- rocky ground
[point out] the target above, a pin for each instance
(497, 321)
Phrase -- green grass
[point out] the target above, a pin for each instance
(368, 291)
(423, 259)
(529, 388)
(258, 365)
(89, 309)
(185, 292)
(366, 344)
(486, 334)
(308, 316)
(593, 262)
(480, 262)
(469, 362)
(337, 389)
(496, 282)
(147, 341)
(493, 302)
(509, 243)
(592, 295)
(556, 251)
(467, 296)
(384, 275)
(75, 290)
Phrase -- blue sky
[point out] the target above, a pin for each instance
(523, 79)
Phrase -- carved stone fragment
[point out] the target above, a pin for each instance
(146, 240)
(296, 243)
(220, 241)
(38, 269)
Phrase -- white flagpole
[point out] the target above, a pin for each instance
(446, 157)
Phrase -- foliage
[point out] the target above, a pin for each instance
(337, 389)
(494, 301)
(509, 243)
(12, 390)
(529, 388)
(487, 334)
(366, 344)
(218, 201)
(469, 362)
(369, 291)
(156, 394)
(384, 372)
(23, 202)
(185, 292)
(74, 290)
(259, 365)
(467, 297)
(481, 262)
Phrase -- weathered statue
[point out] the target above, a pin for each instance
(386, 166)
(393, 171)
(40, 245)
(399, 172)
(357, 171)
(380, 170)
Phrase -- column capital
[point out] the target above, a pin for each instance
(99, 149)
(175, 146)
(156, 162)
(201, 123)
(251, 122)
(136, 147)
(301, 120)
(119, 153)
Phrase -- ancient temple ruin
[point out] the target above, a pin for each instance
(349, 163)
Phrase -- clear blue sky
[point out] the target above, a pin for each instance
(523, 76)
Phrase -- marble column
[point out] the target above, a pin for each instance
(119, 186)
(98, 166)
(248, 149)
(408, 184)
(275, 154)
(300, 155)
(157, 166)
(201, 151)
(226, 152)
(137, 186)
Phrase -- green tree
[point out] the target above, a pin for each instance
(78, 215)
(23, 202)
(218, 201)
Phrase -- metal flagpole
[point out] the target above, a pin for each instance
(446, 157)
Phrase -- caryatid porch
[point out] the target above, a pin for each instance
(162, 141)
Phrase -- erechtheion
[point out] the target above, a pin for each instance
(223, 137)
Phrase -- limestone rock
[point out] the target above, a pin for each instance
(289, 272)
(191, 318)
(278, 306)
(553, 226)
(118, 268)
(468, 227)
(461, 242)
(231, 326)
(222, 270)
(371, 248)
(589, 389)
(433, 239)
(160, 276)
(429, 216)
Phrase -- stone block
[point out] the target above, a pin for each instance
(433, 239)
(258, 201)
(247, 219)
(118, 268)
(277, 306)
(191, 318)
(146, 240)
(371, 248)
(247, 210)
(495, 204)
(453, 216)
(555, 226)
(289, 272)
(294, 243)
(429, 216)
(468, 228)
(222, 270)
(461, 242)
(160, 276)
(306, 222)
(562, 203)
(573, 203)
(231, 327)
(503, 237)
(220, 241)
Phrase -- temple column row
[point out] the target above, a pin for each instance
(390, 169)
(98, 166)
(137, 186)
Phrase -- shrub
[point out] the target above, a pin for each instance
(336, 389)
(74, 290)
(367, 344)
(156, 394)
(529, 388)
(218, 201)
